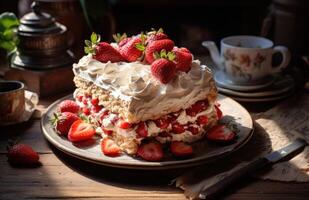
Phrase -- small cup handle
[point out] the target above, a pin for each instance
(286, 57)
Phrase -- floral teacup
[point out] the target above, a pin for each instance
(247, 60)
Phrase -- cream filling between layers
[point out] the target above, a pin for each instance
(147, 98)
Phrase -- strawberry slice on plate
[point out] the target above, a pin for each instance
(220, 133)
(181, 149)
(150, 151)
(80, 131)
(110, 148)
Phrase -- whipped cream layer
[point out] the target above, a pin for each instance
(145, 96)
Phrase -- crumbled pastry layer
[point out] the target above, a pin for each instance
(130, 90)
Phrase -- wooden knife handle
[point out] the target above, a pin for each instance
(211, 191)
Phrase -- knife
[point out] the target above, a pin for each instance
(276, 156)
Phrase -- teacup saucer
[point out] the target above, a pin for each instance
(263, 99)
(281, 85)
(223, 81)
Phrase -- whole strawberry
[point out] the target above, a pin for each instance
(68, 106)
(157, 46)
(102, 51)
(133, 49)
(183, 59)
(155, 35)
(163, 70)
(22, 154)
(63, 122)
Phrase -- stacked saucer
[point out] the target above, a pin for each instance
(271, 89)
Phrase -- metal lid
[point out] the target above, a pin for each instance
(38, 22)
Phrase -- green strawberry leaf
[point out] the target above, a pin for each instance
(140, 46)
(88, 43)
(94, 37)
(118, 37)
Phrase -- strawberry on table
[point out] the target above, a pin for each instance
(22, 154)
(157, 46)
(80, 131)
(69, 106)
(150, 151)
(220, 133)
(181, 149)
(183, 59)
(110, 148)
(63, 122)
(102, 51)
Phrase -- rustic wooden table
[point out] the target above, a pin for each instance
(63, 177)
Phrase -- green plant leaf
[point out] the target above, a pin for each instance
(8, 20)
(93, 37)
(88, 43)
(140, 47)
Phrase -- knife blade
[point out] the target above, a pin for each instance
(276, 156)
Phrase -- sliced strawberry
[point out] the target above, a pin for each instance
(151, 151)
(197, 108)
(104, 114)
(220, 133)
(219, 112)
(157, 46)
(177, 128)
(107, 132)
(85, 101)
(164, 70)
(79, 98)
(194, 130)
(202, 120)
(86, 111)
(63, 122)
(80, 131)
(181, 149)
(110, 148)
(162, 123)
(95, 101)
(142, 129)
(96, 108)
(183, 59)
(164, 134)
(68, 106)
(125, 125)
(22, 154)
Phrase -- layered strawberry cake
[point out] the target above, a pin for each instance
(142, 93)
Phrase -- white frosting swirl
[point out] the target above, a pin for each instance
(146, 96)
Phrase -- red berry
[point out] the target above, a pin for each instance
(219, 112)
(80, 131)
(164, 134)
(68, 106)
(183, 59)
(141, 129)
(197, 108)
(163, 70)
(22, 154)
(104, 52)
(181, 149)
(156, 36)
(86, 111)
(125, 125)
(157, 46)
(194, 130)
(151, 151)
(129, 51)
(110, 148)
(123, 42)
(96, 108)
(220, 133)
(107, 132)
(63, 122)
(177, 128)
(95, 101)
(85, 102)
(80, 98)
(162, 123)
(202, 120)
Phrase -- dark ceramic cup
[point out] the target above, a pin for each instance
(12, 101)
